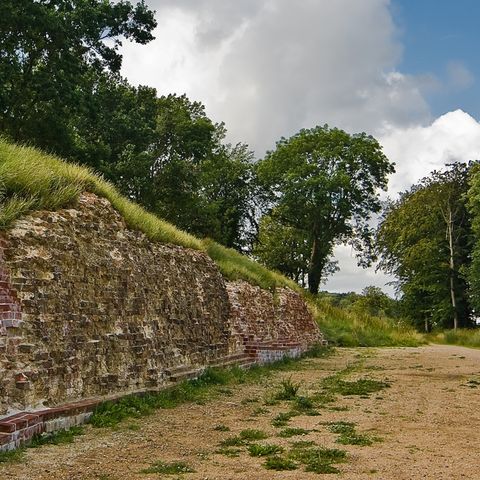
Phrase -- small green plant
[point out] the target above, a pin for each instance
(279, 463)
(318, 459)
(12, 456)
(361, 387)
(252, 434)
(348, 434)
(260, 411)
(232, 442)
(282, 419)
(172, 468)
(221, 428)
(229, 452)
(288, 390)
(292, 432)
(56, 438)
(256, 450)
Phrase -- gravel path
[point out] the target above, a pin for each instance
(428, 420)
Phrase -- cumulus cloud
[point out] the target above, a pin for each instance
(268, 67)
(416, 151)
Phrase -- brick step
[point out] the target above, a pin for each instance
(186, 375)
(240, 359)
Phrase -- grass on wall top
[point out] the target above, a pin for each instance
(31, 180)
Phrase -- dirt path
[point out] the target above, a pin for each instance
(429, 422)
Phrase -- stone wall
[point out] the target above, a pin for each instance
(270, 325)
(91, 310)
(103, 310)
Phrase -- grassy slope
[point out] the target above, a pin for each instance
(464, 337)
(31, 180)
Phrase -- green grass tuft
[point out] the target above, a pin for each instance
(256, 450)
(252, 434)
(279, 463)
(173, 468)
(292, 432)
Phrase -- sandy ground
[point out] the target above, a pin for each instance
(429, 420)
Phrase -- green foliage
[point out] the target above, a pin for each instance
(348, 329)
(318, 459)
(293, 432)
(362, 386)
(56, 438)
(171, 468)
(349, 436)
(424, 239)
(282, 248)
(252, 434)
(323, 183)
(235, 441)
(52, 54)
(283, 418)
(473, 206)
(256, 450)
(465, 337)
(279, 463)
(12, 456)
(288, 389)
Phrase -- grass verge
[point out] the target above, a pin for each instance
(463, 337)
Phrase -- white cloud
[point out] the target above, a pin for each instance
(270, 67)
(416, 151)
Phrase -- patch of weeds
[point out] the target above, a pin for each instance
(292, 432)
(232, 442)
(282, 419)
(348, 434)
(256, 450)
(270, 400)
(303, 403)
(319, 459)
(229, 452)
(221, 428)
(260, 411)
(288, 390)
(279, 463)
(320, 351)
(252, 434)
(361, 387)
(56, 438)
(12, 456)
(246, 401)
(169, 468)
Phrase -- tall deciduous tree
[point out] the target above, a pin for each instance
(325, 183)
(424, 239)
(49, 51)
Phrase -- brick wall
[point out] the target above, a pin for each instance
(91, 310)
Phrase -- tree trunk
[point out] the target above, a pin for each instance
(452, 269)
(317, 262)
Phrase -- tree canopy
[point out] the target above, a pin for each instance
(424, 239)
(324, 183)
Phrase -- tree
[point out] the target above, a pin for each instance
(282, 248)
(424, 239)
(325, 182)
(49, 52)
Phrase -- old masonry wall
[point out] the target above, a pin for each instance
(91, 310)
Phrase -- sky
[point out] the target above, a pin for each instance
(404, 71)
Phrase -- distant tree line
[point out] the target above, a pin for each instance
(61, 90)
